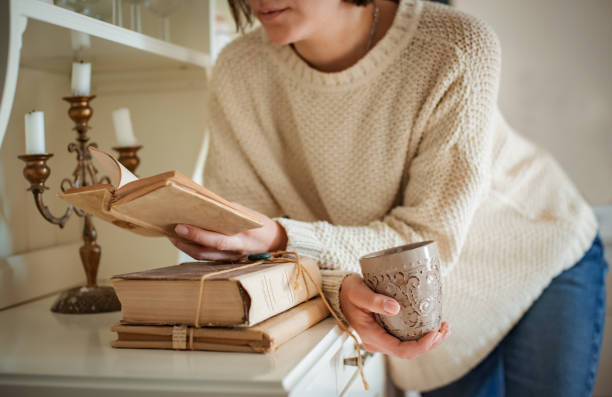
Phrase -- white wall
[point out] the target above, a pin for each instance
(556, 85)
(36, 257)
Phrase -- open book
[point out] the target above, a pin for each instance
(152, 206)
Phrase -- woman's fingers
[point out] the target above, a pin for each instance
(445, 331)
(217, 241)
(371, 333)
(411, 349)
(428, 342)
(360, 302)
(377, 337)
(204, 253)
(363, 297)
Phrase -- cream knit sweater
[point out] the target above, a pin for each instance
(406, 145)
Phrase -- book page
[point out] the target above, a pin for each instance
(118, 174)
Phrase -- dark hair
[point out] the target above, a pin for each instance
(243, 17)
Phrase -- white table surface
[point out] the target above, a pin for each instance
(41, 349)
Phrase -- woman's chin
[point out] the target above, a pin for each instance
(279, 36)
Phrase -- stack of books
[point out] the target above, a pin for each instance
(193, 305)
(244, 309)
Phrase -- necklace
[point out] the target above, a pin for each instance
(374, 23)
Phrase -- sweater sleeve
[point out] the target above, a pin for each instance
(447, 179)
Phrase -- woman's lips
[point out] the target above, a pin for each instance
(271, 14)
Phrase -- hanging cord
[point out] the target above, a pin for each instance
(302, 272)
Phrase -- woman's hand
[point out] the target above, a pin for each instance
(358, 302)
(206, 245)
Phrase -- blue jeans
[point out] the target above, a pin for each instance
(554, 349)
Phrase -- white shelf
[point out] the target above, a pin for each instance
(36, 34)
(112, 46)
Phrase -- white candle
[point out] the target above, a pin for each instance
(123, 127)
(35, 132)
(81, 78)
(80, 41)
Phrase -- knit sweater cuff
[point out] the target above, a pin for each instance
(332, 282)
(301, 238)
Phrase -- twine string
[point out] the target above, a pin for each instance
(301, 272)
(207, 275)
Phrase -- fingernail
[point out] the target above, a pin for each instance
(391, 307)
(180, 230)
(437, 338)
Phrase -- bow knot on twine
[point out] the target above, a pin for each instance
(180, 339)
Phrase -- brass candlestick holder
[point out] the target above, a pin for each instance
(90, 298)
(128, 156)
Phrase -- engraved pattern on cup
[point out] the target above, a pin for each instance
(418, 289)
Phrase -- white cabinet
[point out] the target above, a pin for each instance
(44, 353)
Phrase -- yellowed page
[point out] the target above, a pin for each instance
(118, 174)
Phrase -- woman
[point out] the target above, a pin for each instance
(354, 126)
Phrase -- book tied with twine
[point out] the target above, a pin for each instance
(305, 270)
(264, 337)
(215, 294)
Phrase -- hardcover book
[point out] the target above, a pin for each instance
(152, 206)
(265, 337)
(237, 298)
